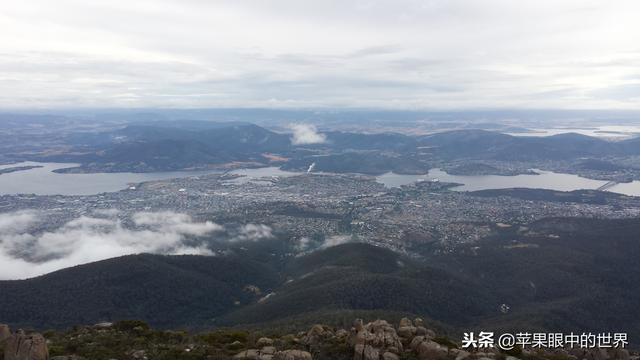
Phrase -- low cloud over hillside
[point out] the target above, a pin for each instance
(26, 252)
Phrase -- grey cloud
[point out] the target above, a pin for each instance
(619, 92)
(289, 53)
(562, 92)
(375, 50)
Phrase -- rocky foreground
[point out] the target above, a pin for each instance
(377, 340)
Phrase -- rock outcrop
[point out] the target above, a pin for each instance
(270, 353)
(251, 354)
(420, 340)
(375, 340)
(406, 329)
(264, 341)
(316, 337)
(292, 355)
(21, 346)
(5, 333)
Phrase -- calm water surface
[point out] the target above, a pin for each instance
(546, 180)
(42, 181)
(613, 132)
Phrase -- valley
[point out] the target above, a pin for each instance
(232, 225)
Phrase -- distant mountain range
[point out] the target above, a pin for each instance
(196, 144)
(479, 144)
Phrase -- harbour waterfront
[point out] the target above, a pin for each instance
(544, 180)
(43, 181)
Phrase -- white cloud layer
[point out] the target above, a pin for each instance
(336, 240)
(335, 53)
(24, 254)
(253, 232)
(306, 134)
(304, 243)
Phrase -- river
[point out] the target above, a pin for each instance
(43, 181)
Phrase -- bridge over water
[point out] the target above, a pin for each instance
(607, 186)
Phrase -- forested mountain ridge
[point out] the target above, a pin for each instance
(537, 272)
(160, 146)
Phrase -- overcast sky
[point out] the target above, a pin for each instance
(429, 54)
